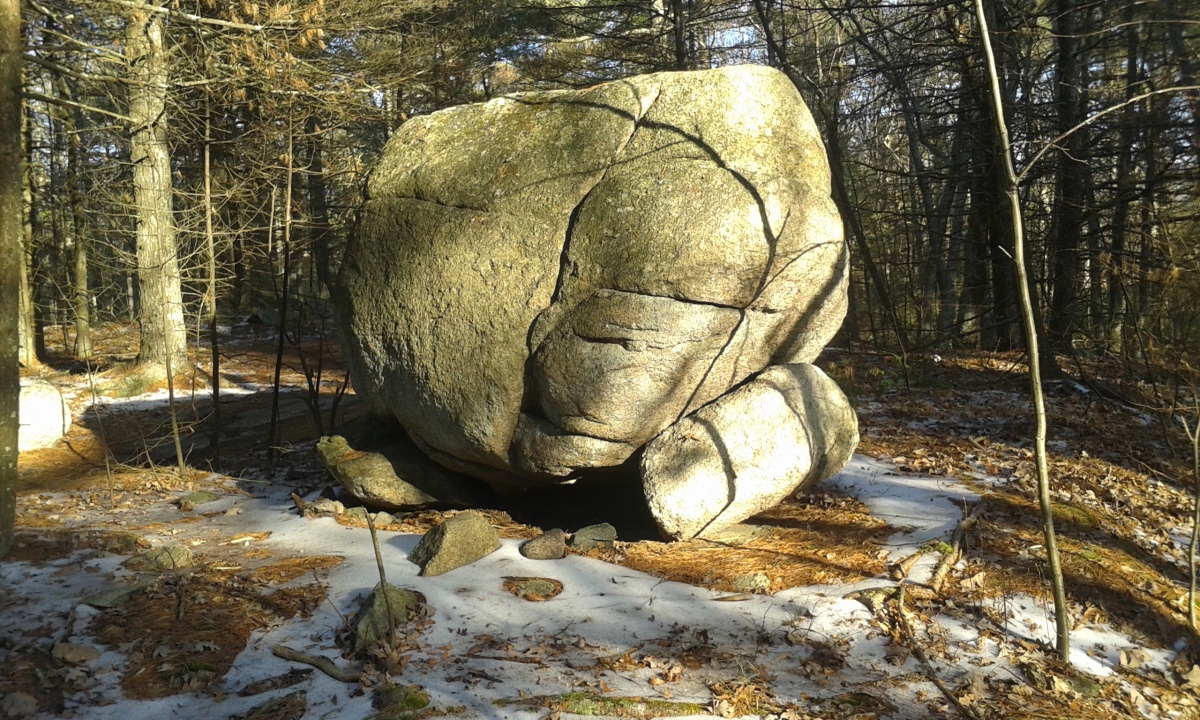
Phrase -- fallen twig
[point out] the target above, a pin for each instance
(930, 670)
(323, 664)
(951, 558)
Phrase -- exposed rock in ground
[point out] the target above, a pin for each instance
(371, 622)
(18, 705)
(459, 541)
(74, 653)
(173, 557)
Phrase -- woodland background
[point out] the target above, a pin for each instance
(197, 162)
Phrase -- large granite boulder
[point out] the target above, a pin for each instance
(542, 284)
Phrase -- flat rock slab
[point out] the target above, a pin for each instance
(460, 540)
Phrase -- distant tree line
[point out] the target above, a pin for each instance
(201, 159)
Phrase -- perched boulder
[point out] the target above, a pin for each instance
(44, 414)
(460, 540)
(550, 545)
(715, 468)
(542, 283)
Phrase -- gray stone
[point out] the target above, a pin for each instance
(371, 622)
(714, 468)
(172, 557)
(593, 536)
(459, 541)
(44, 415)
(383, 518)
(584, 268)
(74, 653)
(550, 545)
(112, 597)
(18, 705)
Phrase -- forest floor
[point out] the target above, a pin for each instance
(912, 585)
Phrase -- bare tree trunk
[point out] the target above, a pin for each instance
(210, 295)
(163, 332)
(29, 353)
(75, 229)
(1062, 621)
(10, 261)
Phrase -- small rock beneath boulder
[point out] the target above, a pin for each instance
(172, 557)
(369, 476)
(550, 545)
(459, 541)
(383, 518)
(74, 653)
(593, 536)
(371, 623)
(324, 506)
(18, 705)
(358, 513)
(752, 583)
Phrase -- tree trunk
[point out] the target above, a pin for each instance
(75, 229)
(163, 335)
(10, 261)
(1071, 181)
(30, 353)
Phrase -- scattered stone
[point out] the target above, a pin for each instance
(122, 543)
(18, 705)
(200, 497)
(550, 545)
(172, 557)
(74, 653)
(713, 468)
(382, 518)
(358, 513)
(44, 415)
(752, 583)
(369, 476)
(458, 541)
(593, 536)
(371, 622)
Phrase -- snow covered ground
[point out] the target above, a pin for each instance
(814, 647)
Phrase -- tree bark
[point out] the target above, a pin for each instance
(10, 261)
(75, 229)
(163, 334)
(1071, 181)
(30, 352)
